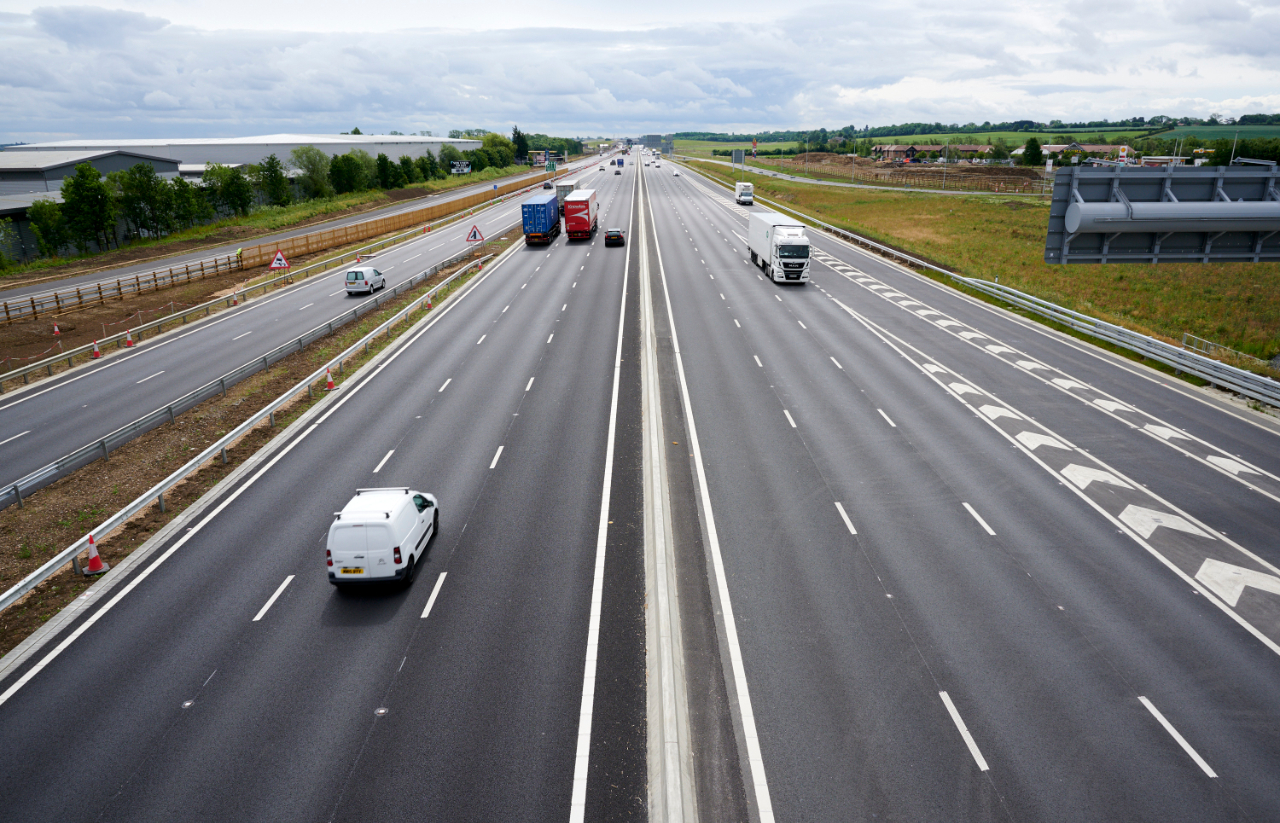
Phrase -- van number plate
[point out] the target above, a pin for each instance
(353, 570)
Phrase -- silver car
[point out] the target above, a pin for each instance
(365, 279)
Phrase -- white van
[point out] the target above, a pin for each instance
(365, 279)
(380, 535)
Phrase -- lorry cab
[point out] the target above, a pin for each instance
(381, 535)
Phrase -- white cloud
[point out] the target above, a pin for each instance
(157, 68)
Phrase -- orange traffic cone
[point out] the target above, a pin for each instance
(96, 564)
(128, 339)
(328, 385)
(96, 353)
(56, 333)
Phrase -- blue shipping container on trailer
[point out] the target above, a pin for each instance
(540, 216)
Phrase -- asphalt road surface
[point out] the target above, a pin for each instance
(934, 562)
(54, 417)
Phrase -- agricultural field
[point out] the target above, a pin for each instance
(1233, 304)
(1222, 132)
(702, 148)
(1013, 138)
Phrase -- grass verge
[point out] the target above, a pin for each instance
(1233, 304)
(61, 513)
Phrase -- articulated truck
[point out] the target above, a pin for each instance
(540, 218)
(779, 247)
(580, 213)
(744, 194)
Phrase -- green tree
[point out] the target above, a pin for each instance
(48, 226)
(344, 173)
(313, 166)
(1032, 155)
(411, 171)
(273, 183)
(521, 143)
(8, 240)
(146, 200)
(89, 208)
(384, 171)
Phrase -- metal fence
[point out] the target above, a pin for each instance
(1243, 382)
(156, 493)
(85, 352)
(14, 492)
(77, 297)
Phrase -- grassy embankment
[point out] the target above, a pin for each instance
(265, 219)
(1235, 304)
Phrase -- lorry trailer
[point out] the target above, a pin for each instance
(779, 247)
(563, 189)
(581, 210)
(540, 219)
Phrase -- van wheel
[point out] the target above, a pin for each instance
(409, 570)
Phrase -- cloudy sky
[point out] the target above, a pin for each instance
(164, 68)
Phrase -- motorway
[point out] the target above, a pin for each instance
(53, 417)
(8, 293)
(502, 405)
(935, 562)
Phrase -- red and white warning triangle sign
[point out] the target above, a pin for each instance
(474, 236)
(279, 262)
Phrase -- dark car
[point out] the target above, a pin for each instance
(614, 237)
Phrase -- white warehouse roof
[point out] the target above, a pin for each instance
(239, 150)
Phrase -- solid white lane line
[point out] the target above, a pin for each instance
(845, 517)
(157, 374)
(886, 418)
(383, 461)
(757, 359)
(553, 334)
(495, 458)
(789, 419)
(446, 384)
(272, 599)
(15, 437)
(837, 362)
(1186, 747)
(431, 601)
(309, 305)
(529, 385)
(978, 517)
(578, 796)
(481, 340)
(246, 334)
(964, 732)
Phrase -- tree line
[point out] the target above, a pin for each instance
(106, 211)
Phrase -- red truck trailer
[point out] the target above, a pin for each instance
(581, 211)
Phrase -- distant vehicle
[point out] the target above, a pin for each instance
(563, 189)
(614, 237)
(380, 536)
(744, 194)
(779, 247)
(365, 279)
(540, 219)
(581, 211)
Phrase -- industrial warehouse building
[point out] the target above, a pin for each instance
(231, 151)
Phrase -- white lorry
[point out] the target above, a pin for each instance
(779, 247)
(744, 194)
